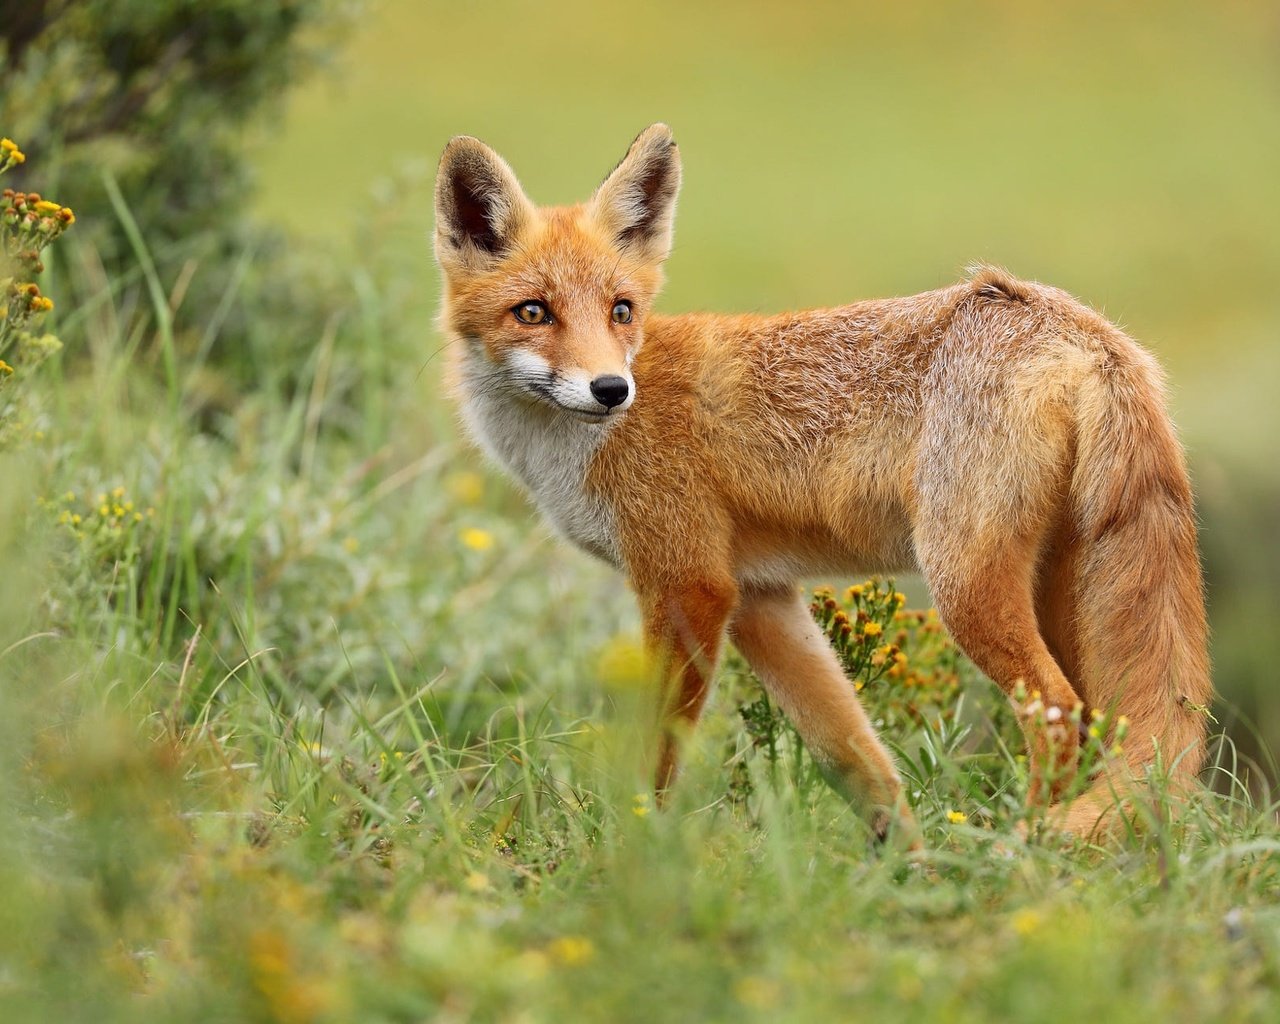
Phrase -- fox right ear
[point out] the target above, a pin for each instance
(480, 207)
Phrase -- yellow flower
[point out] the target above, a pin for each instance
(572, 950)
(871, 630)
(8, 145)
(853, 593)
(640, 805)
(103, 510)
(350, 545)
(5, 368)
(466, 488)
(623, 664)
(1026, 921)
(44, 206)
(477, 881)
(476, 539)
(957, 817)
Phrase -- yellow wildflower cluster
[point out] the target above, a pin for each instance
(42, 220)
(10, 154)
(25, 300)
(28, 223)
(107, 516)
(872, 631)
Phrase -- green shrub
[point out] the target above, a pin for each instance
(140, 110)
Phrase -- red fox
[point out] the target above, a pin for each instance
(997, 436)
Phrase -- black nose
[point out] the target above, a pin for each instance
(610, 390)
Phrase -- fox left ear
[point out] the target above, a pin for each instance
(637, 202)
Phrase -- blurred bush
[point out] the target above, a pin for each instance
(151, 100)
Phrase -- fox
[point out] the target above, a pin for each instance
(996, 436)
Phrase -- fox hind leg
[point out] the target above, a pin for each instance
(992, 477)
(987, 602)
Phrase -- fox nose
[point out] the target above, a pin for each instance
(610, 390)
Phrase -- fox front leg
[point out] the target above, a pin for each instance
(684, 628)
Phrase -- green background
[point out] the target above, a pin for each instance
(835, 151)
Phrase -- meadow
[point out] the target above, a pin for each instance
(304, 718)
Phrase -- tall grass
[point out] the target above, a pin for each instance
(335, 734)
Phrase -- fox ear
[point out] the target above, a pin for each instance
(480, 207)
(637, 202)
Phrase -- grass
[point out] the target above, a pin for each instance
(332, 735)
(337, 733)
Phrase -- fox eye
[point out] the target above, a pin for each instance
(622, 312)
(532, 313)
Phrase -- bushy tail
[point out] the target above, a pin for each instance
(1141, 631)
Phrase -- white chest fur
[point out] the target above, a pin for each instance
(549, 453)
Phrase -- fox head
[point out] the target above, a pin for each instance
(550, 302)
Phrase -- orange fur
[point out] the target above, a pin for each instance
(998, 436)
